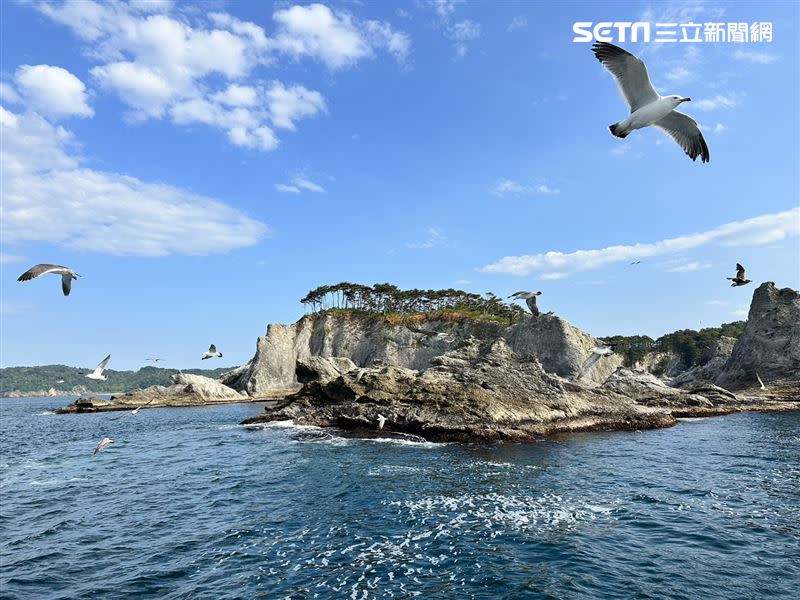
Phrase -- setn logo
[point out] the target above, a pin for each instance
(603, 31)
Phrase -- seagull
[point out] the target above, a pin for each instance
(530, 300)
(136, 410)
(740, 278)
(761, 383)
(598, 352)
(647, 106)
(60, 381)
(212, 353)
(154, 360)
(98, 370)
(636, 262)
(381, 421)
(67, 275)
(104, 443)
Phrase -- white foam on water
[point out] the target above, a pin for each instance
(46, 413)
(499, 513)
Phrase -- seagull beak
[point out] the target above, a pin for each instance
(687, 99)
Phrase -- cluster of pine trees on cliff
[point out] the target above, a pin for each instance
(385, 298)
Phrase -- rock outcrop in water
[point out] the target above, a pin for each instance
(481, 390)
(559, 347)
(186, 390)
(770, 346)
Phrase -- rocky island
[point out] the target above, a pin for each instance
(476, 369)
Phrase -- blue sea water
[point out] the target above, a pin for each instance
(186, 504)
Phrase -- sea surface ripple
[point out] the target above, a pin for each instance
(186, 504)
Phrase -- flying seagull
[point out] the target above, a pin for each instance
(741, 277)
(212, 353)
(598, 352)
(104, 443)
(761, 383)
(67, 275)
(136, 410)
(381, 421)
(530, 300)
(647, 106)
(154, 360)
(636, 262)
(98, 370)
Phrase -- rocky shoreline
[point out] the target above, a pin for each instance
(482, 380)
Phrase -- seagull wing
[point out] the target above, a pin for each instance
(212, 348)
(684, 130)
(740, 272)
(589, 362)
(99, 368)
(37, 270)
(531, 302)
(629, 72)
(66, 283)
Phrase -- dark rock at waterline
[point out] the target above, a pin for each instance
(481, 391)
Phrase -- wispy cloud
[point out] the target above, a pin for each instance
(459, 32)
(518, 22)
(757, 231)
(689, 267)
(435, 238)
(718, 101)
(716, 302)
(298, 184)
(9, 259)
(49, 195)
(509, 187)
(755, 56)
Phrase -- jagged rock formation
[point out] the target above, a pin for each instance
(560, 347)
(480, 391)
(186, 390)
(770, 345)
(711, 366)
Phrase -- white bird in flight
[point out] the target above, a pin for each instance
(530, 300)
(741, 277)
(67, 275)
(212, 353)
(154, 360)
(761, 383)
(598, 352)
(136, 410)
(381, 421)
(104, 443)
(98, 370)
(647, 106)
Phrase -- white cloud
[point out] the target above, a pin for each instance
(52, 91)
(690, 267)
(679, 74)
(8, 94)
(335, 38)
(461, 33)
(435, 238)
(50, 196)
(287, 105)
(757, 231)
(168, 61)
(741, 312)
(718, 101)
(754, 56)
(8, 259)
(297, 184)
(506, 187)
(287, 189)
(716, 302)
(517, 22)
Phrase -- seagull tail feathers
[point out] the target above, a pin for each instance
(617, 130)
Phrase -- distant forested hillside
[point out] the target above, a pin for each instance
(31, 379)
(690, 345)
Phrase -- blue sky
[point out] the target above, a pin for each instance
(202, 169)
